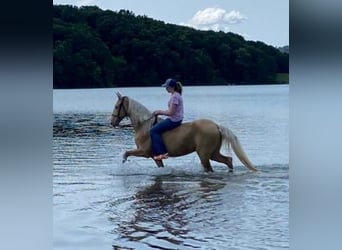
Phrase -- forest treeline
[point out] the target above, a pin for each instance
(95, 48)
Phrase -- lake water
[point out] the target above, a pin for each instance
(100, 203)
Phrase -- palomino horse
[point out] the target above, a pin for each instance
(203, 136)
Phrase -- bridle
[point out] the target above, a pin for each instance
(121, 106)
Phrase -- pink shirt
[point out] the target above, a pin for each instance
(176, 99)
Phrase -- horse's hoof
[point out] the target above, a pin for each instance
(124, 160)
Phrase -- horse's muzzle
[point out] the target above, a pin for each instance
(115, 122)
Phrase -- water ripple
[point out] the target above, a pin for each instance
(139, 206)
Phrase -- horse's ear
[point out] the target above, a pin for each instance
(118, 95)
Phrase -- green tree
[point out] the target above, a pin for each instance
(103, 48)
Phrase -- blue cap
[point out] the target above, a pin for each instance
(169, 83)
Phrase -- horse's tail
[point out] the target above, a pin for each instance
(231, 139)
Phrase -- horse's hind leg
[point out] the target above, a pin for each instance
(204, 152)
(205, 162)
(217, 156)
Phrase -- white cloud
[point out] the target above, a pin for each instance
(207, 16)
(215, 19)
(234, 17)
(215, 27)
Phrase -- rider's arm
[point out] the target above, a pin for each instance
(169, 112)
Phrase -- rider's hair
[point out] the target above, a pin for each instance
(179, 88)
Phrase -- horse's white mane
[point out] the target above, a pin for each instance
(138, 113)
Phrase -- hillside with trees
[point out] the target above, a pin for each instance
(285, 49)
(95, 48)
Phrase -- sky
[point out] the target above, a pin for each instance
(257, 20)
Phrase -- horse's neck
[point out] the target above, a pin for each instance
(139, 116)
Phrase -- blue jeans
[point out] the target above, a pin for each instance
(158, 146)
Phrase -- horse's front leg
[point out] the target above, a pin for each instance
(134, 152)
(141, 153)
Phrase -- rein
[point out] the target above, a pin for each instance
(155, 119)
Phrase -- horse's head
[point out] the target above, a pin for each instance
(120, 110)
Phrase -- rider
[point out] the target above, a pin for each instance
(175, 114)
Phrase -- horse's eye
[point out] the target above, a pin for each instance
(116, 107)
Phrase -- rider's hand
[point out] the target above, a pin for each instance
(157, 112)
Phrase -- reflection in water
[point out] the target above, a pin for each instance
(81, 125)
(162, 211)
